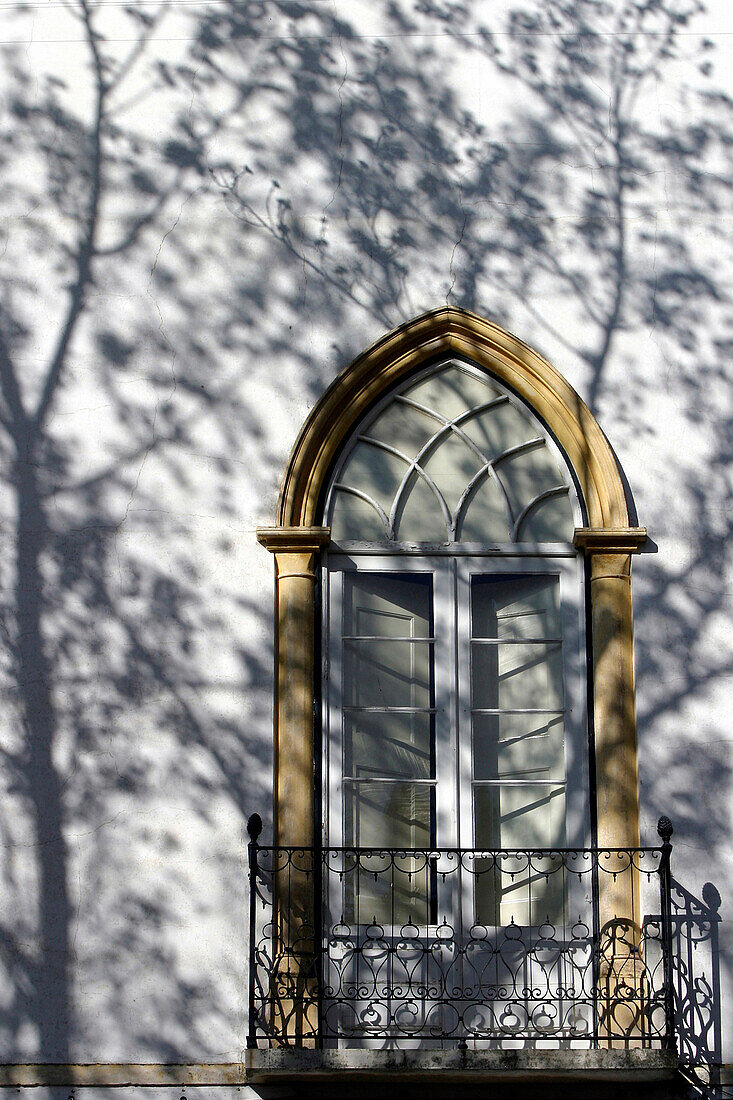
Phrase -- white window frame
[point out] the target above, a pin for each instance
(451, 571)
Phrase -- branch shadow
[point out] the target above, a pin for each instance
(169, 288)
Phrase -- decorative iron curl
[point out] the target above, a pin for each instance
(422, 966)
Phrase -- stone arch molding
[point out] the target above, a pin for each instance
(444, 332)
(608, 540)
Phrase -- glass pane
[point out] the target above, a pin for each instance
(387, 673)
(497, 429)
(515, 606)
(517, 675)
(382, 745)
(526, 815)
(518, 746)
(402, 427)
(387, 661)
(421, 517)
(550, 521)
(451, 465)
(375, 472)
(452, 391)
(354, 518)
(528, 891)
(387, 890)
(388, 605)
(485, 516)
(387, 815)
(528, 474)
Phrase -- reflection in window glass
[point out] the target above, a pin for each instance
(397, 745)
(527, 890)
(388, 739)
(518, 745)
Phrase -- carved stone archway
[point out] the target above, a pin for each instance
(607, 540)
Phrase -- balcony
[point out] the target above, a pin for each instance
(461, 958)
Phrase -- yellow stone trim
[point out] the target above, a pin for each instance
(293, 538)
(614, 703)
(609, 540)
(295, 550)
(449, 331)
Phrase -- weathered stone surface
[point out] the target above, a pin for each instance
(509, 1065)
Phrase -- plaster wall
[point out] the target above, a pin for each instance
(261, 191)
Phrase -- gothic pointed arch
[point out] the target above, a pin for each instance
(606, 539)
(453, 331)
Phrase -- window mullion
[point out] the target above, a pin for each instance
(333, 741)
(445, 702)
(463, 731)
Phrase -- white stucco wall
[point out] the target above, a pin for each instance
(306, 177)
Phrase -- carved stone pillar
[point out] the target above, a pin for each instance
(294, 1000)
(614, 710)
(621, 996)
(296, 551)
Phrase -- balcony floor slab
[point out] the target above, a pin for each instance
(495, 1067)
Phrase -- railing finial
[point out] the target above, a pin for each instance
(665, 828)
(254, 827)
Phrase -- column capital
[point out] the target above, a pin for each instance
(609, 540)
(293, 539)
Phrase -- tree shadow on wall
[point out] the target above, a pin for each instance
(132, 671)
(158, 275)
(583, 214)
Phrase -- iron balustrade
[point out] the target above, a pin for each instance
(470, 947)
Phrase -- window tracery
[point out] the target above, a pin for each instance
(450, 458)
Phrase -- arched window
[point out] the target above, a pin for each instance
(456, 513)
(453, 634)
(453, 482)
(451, 457)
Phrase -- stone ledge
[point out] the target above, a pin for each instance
(339, 1067)
(271, 1066)
(120, 1074)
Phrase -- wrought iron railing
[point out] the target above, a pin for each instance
(468, 947)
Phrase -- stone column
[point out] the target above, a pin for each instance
(294, 993)
(296, 551)
(622, 980)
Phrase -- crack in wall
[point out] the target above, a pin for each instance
(456, 246)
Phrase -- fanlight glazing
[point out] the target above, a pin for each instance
(451, 457)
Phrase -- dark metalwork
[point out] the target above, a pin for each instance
(446, 946)
(696, 970)
(254, 828)
(665, 830)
